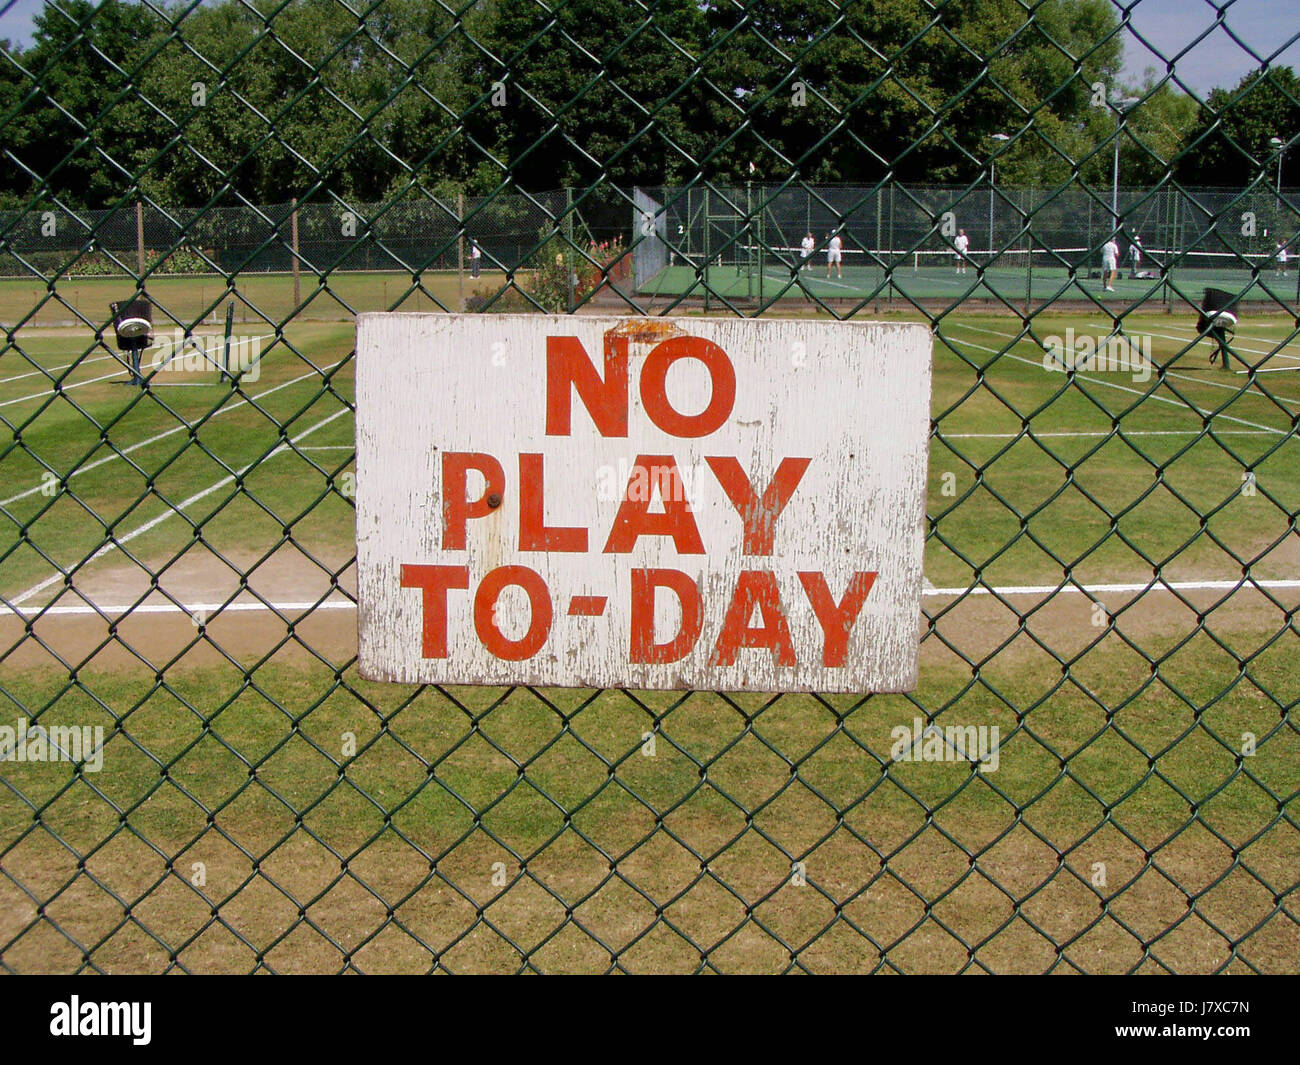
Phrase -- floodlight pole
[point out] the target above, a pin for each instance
(1121, 106)
(1114, 182)
(992, 187)
(993, 184)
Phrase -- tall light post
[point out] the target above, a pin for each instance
(1003, 138)
(1278, 145)
(1122, 106)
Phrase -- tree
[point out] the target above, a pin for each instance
(593, 89)
(85, 129)
(897, 89)
(1229, 144)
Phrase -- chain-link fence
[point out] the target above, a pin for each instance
(1098, 769)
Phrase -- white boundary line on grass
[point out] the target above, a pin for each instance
(123, 612)
(1276, 400)
(119, 613)
(1027, 433)
(1244, 336)
(1275, 353)
(1095, 590)
(96, 380)
(1111, 384)
(53, 369)
(119, 453)
(173, 511)
(52, 392)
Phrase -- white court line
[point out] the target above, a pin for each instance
(1275, 353)
(1243, 336)
(1192, 340)
(121, 612)
(1180, 376)
(121, 452)
(118, 613)
(54, 369)
(328, 447)
(1103, 432)
(1278, 400)
(1095, 590)
(61, 389)
(173, 511)
(81, 384)
(793, 283)
(1111, 384)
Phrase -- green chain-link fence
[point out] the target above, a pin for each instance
(195, 776)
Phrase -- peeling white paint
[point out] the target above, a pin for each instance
(856, 405)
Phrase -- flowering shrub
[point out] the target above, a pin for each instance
(612, 264)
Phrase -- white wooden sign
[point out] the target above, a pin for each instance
(732, 505)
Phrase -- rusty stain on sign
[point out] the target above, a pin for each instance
(719, 504)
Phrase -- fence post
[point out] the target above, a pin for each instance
(460, 252)
(706, 249)
(890, 268)
(139, 238)
(293, 238)
(568, 247)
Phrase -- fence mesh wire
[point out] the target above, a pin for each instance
(194, 776)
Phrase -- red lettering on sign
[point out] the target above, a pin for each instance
(836, 619)
(654, 396)
(643, 648)
(434, 582)
(539, 624)
(634, 519)
(587, 606)
(456, 507)
(534, 535)
(569, 366)
(754, 588)
(758, 513)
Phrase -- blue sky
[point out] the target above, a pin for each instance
(1168, 27)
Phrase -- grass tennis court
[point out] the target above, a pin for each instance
(258, 297)
(935, 277)
(220, 513)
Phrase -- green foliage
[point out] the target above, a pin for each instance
(100, 264)
(1229, 144)
(332, 107)
(552, 279)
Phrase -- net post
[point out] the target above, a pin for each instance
(225, 345)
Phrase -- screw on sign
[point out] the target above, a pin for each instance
(768, 537)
